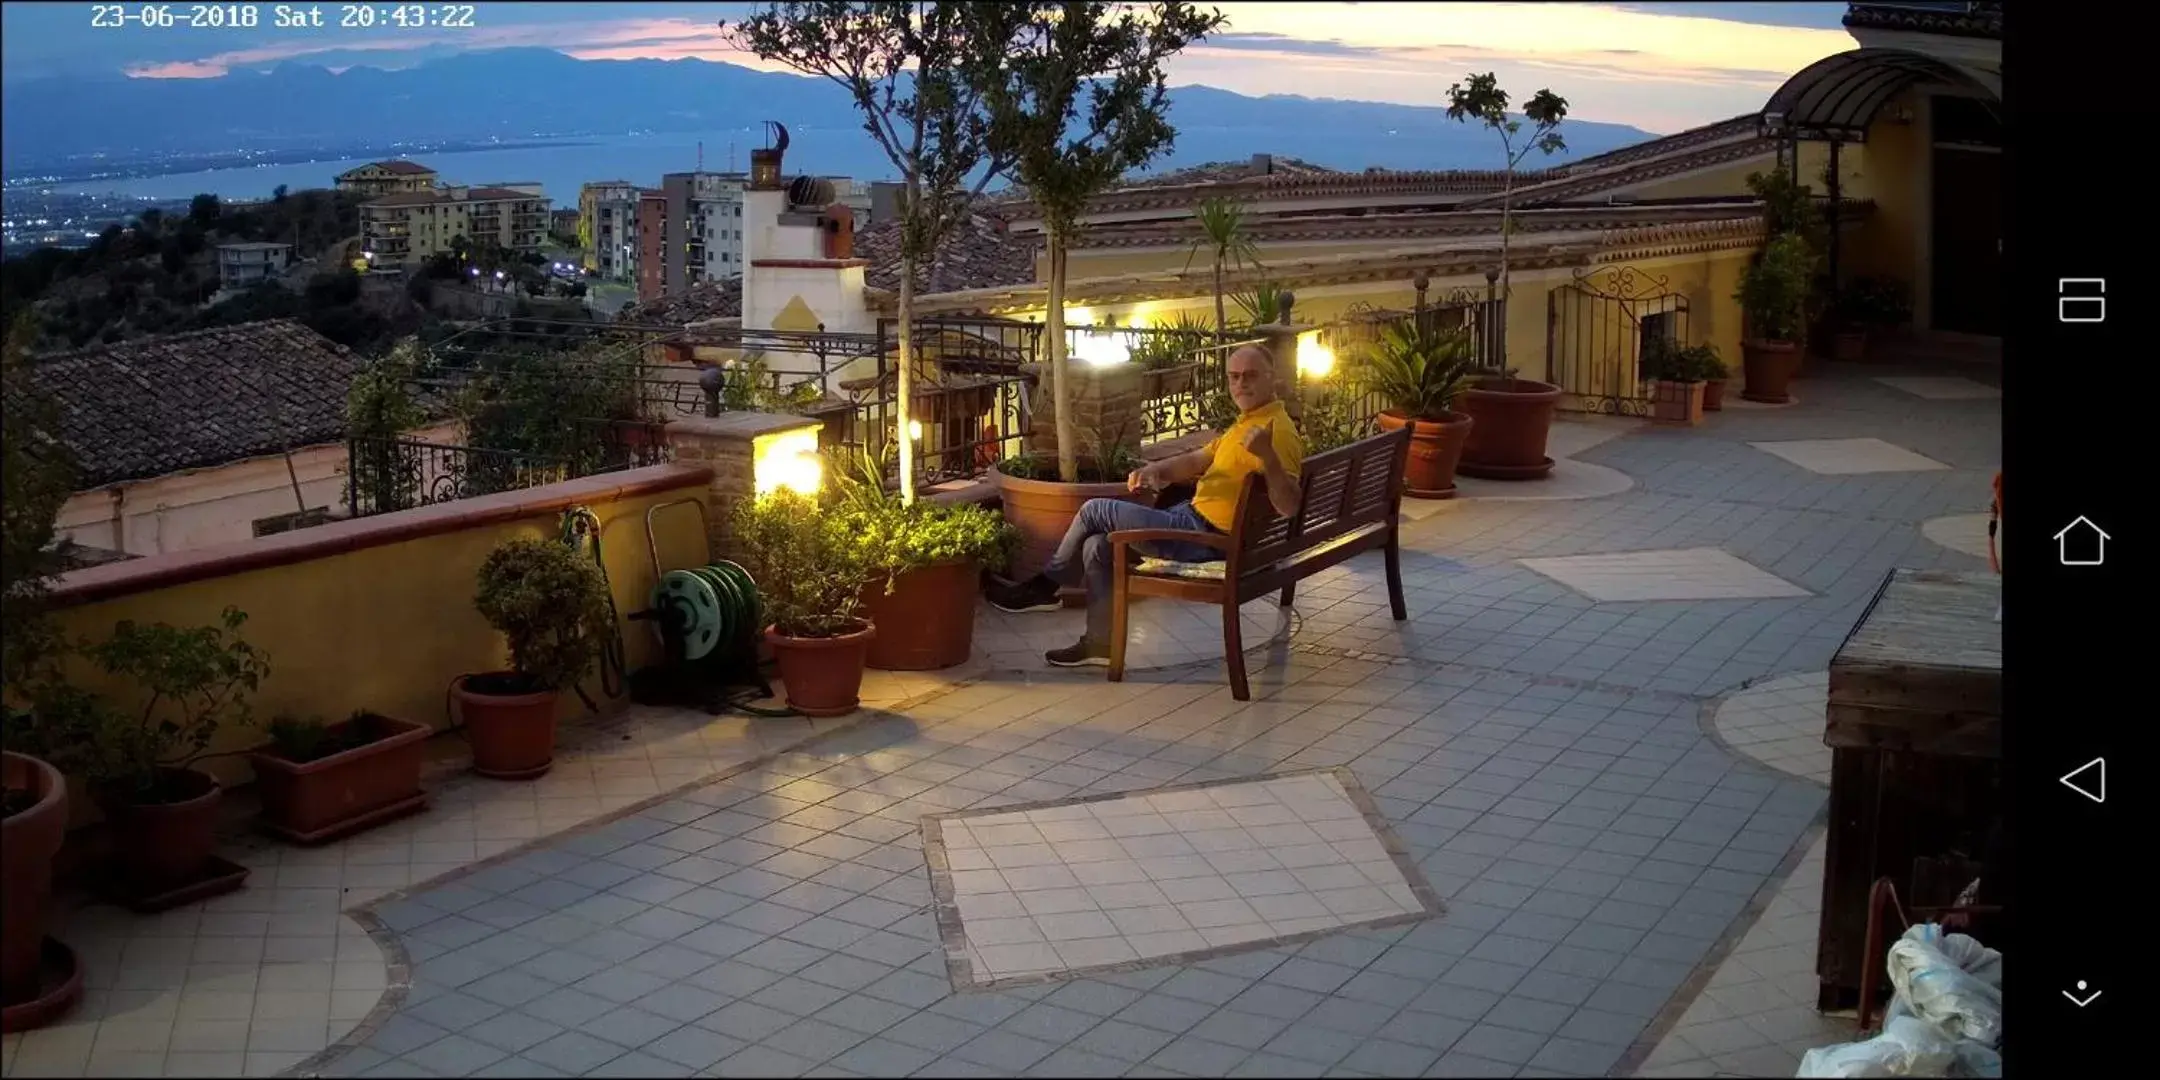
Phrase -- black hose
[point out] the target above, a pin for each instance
(579, 524)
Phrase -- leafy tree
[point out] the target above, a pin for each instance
(205, 209)
(1223, 237)
(914, 72)
(1076, 102)
(1479, 98)
(278, 194)
(39, 475)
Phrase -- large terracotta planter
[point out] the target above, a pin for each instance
(1676, 402)
(1713, 395)
(1513, 418)
(512, 734)
(1769, 367)
(1434, 450)
(29, 838)
(937, 605)
(1849, 345)
(1043, 509)
(167, 845)
(823, 676)
(344, 792)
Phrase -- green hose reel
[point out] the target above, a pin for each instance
(713, 603)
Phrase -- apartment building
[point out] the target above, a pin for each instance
(608, 228)
(387, 178)
(246, 265)
(651, 239)
(704, 227)
(405, 228)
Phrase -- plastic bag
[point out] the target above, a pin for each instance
(1950, 981)
(1907, 1047)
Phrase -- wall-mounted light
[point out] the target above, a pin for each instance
(1100, 348)
(914, 430)
(1315, 360)
(787, 460)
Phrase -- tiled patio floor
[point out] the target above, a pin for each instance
(1540, 756)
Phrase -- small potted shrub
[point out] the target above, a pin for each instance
(1041, 506)
(138, 761)
(810, 570)
(1678, 374)
(321, 781)
(1773, 296)
(925, 563)
(1711, 368)
(551, 606)
(1419, 371)
(1864, 306)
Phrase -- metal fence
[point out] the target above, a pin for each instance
(1479, 313)
(385, 475)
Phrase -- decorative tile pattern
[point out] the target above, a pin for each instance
(1172, 875)
(1962, 532)
(1779, 722)
(1164, 633)
(1942, 387)
(1849, 457)
(1686, 574)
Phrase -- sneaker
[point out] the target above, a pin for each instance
(1035, 594)
(1083, 653)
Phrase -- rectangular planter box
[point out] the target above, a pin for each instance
(1676, 402)
(346, 792)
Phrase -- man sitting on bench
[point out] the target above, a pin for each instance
(1263, 440)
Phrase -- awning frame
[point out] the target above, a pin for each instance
(1835, 99)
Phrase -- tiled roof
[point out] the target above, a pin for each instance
(472, 195)
(408, 168)
(1408, 225)
(705, 300)
(1716, 144)
(978, 253)
(1955, 20)
(160, 405)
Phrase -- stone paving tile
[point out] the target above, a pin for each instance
(1540, 755)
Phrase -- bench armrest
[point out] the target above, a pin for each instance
(1122, 538)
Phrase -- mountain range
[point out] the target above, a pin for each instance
(525, 93)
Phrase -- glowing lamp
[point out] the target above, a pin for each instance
(787, 460)
(1314, 359)
(914, 430)
(1101, 348)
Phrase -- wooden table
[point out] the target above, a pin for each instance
(1914, 724)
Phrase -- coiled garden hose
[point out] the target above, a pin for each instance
(579, 525)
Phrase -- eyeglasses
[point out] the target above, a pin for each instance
(1252, 375)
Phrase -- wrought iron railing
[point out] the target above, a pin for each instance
(388, 474)
(1474, 312)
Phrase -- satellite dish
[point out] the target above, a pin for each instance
(777, 133)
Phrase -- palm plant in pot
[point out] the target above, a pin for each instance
(1420, 371)
(1773, 297)
(811, 570)
(138, 762)
(551, 605)
(924, 562)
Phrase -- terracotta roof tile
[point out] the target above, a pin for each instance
(1981, 19)
(407, 168)
(978, 253)
(160, 405)
(705, 300)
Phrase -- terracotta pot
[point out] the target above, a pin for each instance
(1676, 402)
(1849, 345)
(512, 734)
(158, 846)
(1434, 449)
(344, 792)
(1167, 382)
(28, 841)
(1513, 418)
(937, 605)
(823, 676)
(1043, 509)
(1713, 395)
(1768, 367)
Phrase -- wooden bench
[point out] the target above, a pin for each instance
(1350, 503)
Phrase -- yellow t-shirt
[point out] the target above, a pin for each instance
(1216, 495)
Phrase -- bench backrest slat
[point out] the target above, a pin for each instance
(1343, 489)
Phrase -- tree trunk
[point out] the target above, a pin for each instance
(1054, 336)
(1507, 229)
(904, 389)
(1222, 318)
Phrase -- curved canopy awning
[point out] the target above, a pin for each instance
(1838, 96)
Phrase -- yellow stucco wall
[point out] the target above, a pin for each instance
(1888, 169)
(387, 628)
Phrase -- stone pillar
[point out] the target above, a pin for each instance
(732, 444)
(1282, 340)
(1105, 400)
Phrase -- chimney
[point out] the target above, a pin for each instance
(1264, 164)
(765, 162)
(839, 226)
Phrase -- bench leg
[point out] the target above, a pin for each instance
(1393, 553)
(1119, 598)
(1289, 594)
(1233, 639)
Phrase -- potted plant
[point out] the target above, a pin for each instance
(1040, 506)
(1712, 367)
(138, 763)
(810, 570)
(1513, 418)
(925, 560)
(1865, 305)
(1773, 298)
(1679, 376)
(321, 781)
(1419, 372)
(551, 605)
(35, 985)
(1168, 358)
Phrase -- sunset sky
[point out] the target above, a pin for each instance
(1657, 66)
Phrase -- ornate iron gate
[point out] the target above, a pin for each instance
(1597, 329)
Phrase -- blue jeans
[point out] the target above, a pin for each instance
(1084, 554)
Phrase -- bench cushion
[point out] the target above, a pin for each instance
(1198, 571)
